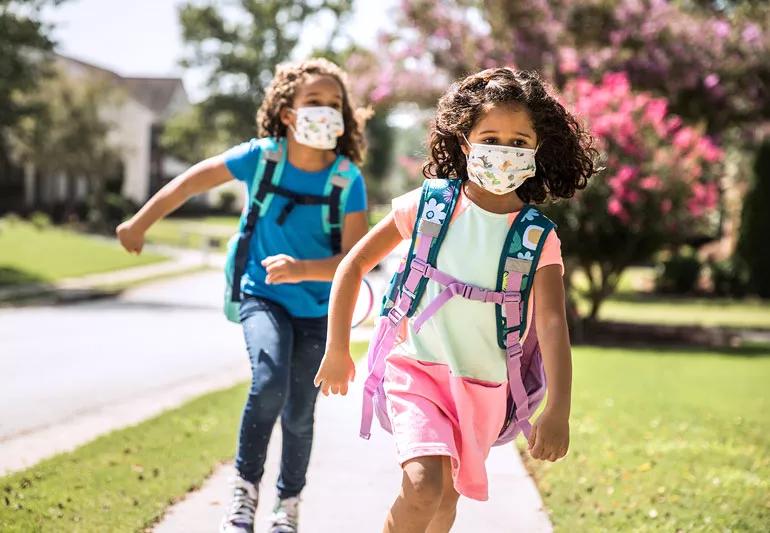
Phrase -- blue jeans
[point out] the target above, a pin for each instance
(285, 354)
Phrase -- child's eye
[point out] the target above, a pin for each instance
(490, 140)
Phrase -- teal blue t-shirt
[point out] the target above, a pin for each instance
(301, 235)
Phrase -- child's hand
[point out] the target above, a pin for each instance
(549, 439)
(336, 371)
(130, 238)
(283, 269)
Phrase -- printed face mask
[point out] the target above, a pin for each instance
(500, 169)
(318, 127)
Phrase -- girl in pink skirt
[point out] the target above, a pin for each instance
(452, 381)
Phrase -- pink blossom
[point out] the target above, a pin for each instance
(721, 28)
(651, 183)
(380, 92)
(684, 138)
(656, 110)
(626, 173)
(616, 209)
(673, 123)
(442, 33)
(665, 206)
(710, 152)
(568, 60)
(704, 197)
(751, 33)
(616, 82)
(711, 81)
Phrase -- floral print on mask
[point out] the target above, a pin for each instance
(318, 127)
(500, 169)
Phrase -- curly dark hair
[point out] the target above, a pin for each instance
(566, 157)
(282, 89)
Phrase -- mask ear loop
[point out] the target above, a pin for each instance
(467, 156)
(467, 142)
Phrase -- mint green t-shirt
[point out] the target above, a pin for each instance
(462, 334)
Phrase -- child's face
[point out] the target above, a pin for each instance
(316, 91)
(507, 125)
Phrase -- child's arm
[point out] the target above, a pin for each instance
(550, 434)
(195, 180)
(337, 368)
(286, 269)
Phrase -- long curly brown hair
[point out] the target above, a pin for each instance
(282, 89)
(566, 156)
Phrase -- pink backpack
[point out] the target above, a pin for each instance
(518, 264)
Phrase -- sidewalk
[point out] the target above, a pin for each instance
(352, 483)
(181, 261)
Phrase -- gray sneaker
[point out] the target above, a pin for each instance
(285, 515)
(240, 517)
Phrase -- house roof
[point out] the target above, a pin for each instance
(155, 93)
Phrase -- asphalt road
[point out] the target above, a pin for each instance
(58, 362)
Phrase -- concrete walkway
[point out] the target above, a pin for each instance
(352, 483)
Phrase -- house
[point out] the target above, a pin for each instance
(137, 119)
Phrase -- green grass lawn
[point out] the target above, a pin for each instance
(30, 255)
(633, 279)
(687, 311)
(192, 232)
(631, 304)
(124, 481)
(664, 441)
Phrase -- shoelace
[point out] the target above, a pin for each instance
(243, 507)
(286, 513)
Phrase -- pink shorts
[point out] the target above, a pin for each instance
(435, 413)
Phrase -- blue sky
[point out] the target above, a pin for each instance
(143, 37)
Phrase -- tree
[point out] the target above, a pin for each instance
(69, 136)
(703, 62)
(710, 64)
(660, 187)
(755, 226)
(240, 45)
(24, 39)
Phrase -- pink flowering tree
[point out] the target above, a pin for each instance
(691, 75)
(711, 65)
(659, 187)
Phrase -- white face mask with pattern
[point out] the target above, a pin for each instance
(318, 127)
(500, 169)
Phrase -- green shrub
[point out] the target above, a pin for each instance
(227, 201)
(729, 277)
(755, 226)
(679, 274)
(11, 219)
(117, 208)
(40, 220)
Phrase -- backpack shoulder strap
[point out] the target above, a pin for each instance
(518, 264)
(337, 189)
(272, 158)
(437, 203)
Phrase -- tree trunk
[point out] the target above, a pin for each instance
(97, 216)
